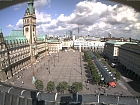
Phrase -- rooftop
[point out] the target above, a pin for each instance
(30, 7)
(131, 46)
(52, 40)
(16, 33)
(118, 43)
(12, 39)
(41, 37)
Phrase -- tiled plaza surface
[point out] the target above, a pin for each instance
(66, 67)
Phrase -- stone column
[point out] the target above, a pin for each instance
(2, 76)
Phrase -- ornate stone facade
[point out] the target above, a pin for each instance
(15, 49)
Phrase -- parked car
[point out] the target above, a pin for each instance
(113, 65)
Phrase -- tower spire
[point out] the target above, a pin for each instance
(30, 6)
(29, 22)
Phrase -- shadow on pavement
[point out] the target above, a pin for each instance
(88, 75)
(87, 71)
(74, 100)
(135, 86)
(85, 65)
(134, 83)
(33, 97)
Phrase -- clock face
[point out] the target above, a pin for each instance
(26, 29)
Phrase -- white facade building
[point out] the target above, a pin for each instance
(88, 44)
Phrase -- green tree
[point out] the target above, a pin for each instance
(50, 86)
(39, 85)
(86, 56)
(62, 86)
(118, 75)
(76, 87)
(97, 78)
(96, 54)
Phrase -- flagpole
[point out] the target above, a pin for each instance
(78, 30)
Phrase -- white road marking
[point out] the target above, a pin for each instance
(122, 85)
(126, 79)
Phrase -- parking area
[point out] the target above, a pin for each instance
(65, 66)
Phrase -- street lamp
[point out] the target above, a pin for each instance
(80, 63)
(58, 56)
(49, 66)
(54, 60)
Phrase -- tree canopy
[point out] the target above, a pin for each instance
(76, 87)
(50, 86)
(39, 85)
(62, 86)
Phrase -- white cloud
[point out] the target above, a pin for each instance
(42, 18)
(93, 18)
(136, 26)
(19, 24)
(40, 3)
(17, 6)
(126, 28)
(9, 26)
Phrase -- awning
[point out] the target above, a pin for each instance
(112, 84)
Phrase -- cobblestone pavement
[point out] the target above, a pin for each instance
(63, 67)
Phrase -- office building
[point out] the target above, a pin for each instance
(129, 57)
(111, 50)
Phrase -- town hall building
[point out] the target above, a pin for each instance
(21, 47)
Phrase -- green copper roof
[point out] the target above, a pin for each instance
(14, 38)
(53, 40)
(118, 43)
(0, 30)
(16, 33)
(41, 37)
(30, 6)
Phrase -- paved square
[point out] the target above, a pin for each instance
(68, 69)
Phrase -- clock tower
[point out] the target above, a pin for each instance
(29, 23)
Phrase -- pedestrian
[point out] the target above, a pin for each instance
(86, 84)
(22, 82)
(104, 90)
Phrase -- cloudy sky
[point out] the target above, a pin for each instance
(94, 17)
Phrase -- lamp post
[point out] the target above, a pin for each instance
(49, 66)
(54, 60)
(58, 56)
(45, 46)
(80, 58)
